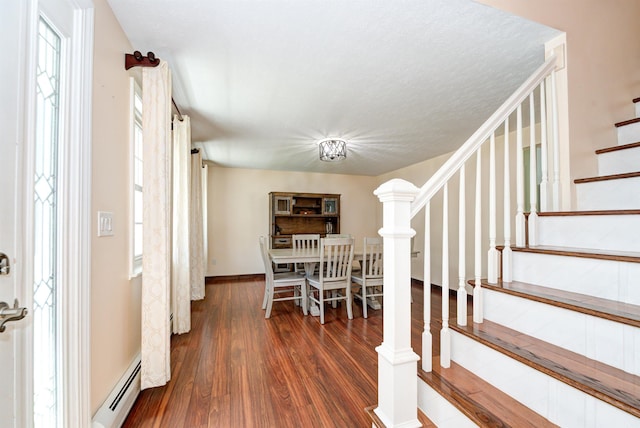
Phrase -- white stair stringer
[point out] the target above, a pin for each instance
(619, 161)
(556, 401)
(606, 279)
(439, 410)
(628, 134)
(599, 339)
(597, 232)
(617, 194)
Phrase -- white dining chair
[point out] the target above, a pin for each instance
(302, 242)
(338, 235)
(369, 278)
(334, 275)
(281, 286)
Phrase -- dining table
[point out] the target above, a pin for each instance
(310, 257)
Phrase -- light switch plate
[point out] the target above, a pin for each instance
(105, 223)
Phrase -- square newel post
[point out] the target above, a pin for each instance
(397, 368)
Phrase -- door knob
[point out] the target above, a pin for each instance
(4, 264)
(8, 313)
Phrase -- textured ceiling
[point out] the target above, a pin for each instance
(402, 81)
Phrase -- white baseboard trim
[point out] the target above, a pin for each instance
(116, 407)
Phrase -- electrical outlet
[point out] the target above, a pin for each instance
(213, 262)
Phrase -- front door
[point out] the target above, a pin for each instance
(13, 84)
(44, 144)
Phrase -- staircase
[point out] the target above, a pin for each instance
(560, 342)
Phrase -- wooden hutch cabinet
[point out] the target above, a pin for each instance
(297, 213)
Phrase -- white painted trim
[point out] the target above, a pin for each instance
(116, 407)
(135, 263)
(75, 254)
(553, 47)
(24, 182)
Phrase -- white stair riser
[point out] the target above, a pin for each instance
(439, 410)
(554, 400)
(619, 161)
(637, 108)
(603, 232)
(620, 194)
(596, 338)
(606, 279)
(628, 134)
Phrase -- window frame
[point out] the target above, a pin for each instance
(135, 121)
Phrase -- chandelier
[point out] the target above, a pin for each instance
(332, 149)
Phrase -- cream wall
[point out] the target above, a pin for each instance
(115, 300)
(603, 58)
(238, 204)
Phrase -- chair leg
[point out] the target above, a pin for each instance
(269, 303)
(349, 302)
(363, 292)
(266, 295)
(321, 304)
(305, 297)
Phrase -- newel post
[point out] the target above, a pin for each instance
(397, 368)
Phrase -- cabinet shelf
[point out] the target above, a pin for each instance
(302, 213)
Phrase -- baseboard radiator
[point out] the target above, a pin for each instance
(117, 406)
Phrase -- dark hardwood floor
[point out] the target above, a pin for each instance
(237, 369)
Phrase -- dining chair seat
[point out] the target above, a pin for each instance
(334, 275)
(370, 277)
(281, 286)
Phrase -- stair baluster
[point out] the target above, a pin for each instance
(556, 144)
(532, 221)
(477, 289)
(506, 252)
(427, 345)
(462, 290)
(544, 160)
(520, 221)
(445, 333)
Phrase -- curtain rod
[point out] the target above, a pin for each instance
(138, 60)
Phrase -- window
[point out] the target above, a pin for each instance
(45, 210)
(136, 179)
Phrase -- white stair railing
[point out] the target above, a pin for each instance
(397, 386)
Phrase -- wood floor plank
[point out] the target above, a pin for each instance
(236, 368)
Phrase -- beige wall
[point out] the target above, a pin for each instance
(238, 204)
(115, 300)
(603, 58)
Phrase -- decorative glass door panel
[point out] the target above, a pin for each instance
(45, 337)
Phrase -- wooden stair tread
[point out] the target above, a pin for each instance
(635, 100)
(480, 401)
(607, 177)
(628, 122)
(584, 213)
(621, 256)
(609, 384)
(375, 420)
(616, 148)
(624, 313)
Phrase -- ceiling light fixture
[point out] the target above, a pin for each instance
(332, 149)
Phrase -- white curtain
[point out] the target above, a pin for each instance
(197, 252)
(156, 241)
(181, 259)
